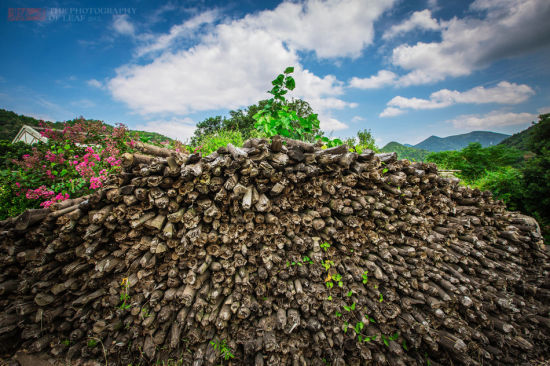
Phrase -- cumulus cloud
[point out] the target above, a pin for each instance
(544, 110)
(232, 64)
(176, 128)
(338, 28)
(503, 93)
(391, 112)
(383, 78)
(122, 25)
(504, 29)
(95, 83)
(329, 124)
(186, 29)
(357, 119)
(492, 119)
(418, 20)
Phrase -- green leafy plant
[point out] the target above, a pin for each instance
(145, 312)
(124, 296)
(325, 246)
(365, 277)
(222, 348)
(278, 117)
(386, 339)
(92, 343)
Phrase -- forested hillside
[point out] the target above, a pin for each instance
(405, 152)
(520, 140)
(11, 123)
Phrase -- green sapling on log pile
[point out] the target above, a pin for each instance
(276, 253)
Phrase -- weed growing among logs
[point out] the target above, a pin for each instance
(222, 348)
(353, 311)
(124, 296)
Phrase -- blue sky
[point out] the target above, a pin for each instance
(403, 69)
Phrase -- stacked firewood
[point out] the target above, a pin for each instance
(276, 253)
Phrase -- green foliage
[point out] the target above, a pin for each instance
(11, 123)
(124, 295)
(520, 140)
(405, 152)
(222, 348)
(213, 141)
(536, 175)
(325, 246)
(92, 343)
(474, 161)
(277, 117)
(521, 180)
(505, 184)
(366, 141)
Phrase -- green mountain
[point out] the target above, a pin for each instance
(405, 152)
(458, 142)
(519, 140)
(11, 123)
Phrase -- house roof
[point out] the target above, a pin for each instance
(29, 135)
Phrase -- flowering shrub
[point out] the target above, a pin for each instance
(76, 161)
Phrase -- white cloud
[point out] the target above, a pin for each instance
(329, 124)
(418, 20)
(95, 83)
(357, 119)
(175, 128)
(186, 29)
(383, 78)
(231, 66)
(503, 93)
(492, 119)
(336, 28)
(509, 28)
(391, 112)
(544, 110)
(122, 25)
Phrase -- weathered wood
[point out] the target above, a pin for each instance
(239, 246)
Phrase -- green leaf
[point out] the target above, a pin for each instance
(290, 84)
(350, 293)
(289, 70)
(64, 172)
(278, 80)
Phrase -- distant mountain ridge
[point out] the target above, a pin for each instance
(458, 142)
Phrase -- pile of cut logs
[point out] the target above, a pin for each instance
(276, 253)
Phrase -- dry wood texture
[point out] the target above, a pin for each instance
(177, 251)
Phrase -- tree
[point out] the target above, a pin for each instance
(366, 140)
(537, 174)
(207, 127)
(242, 120)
